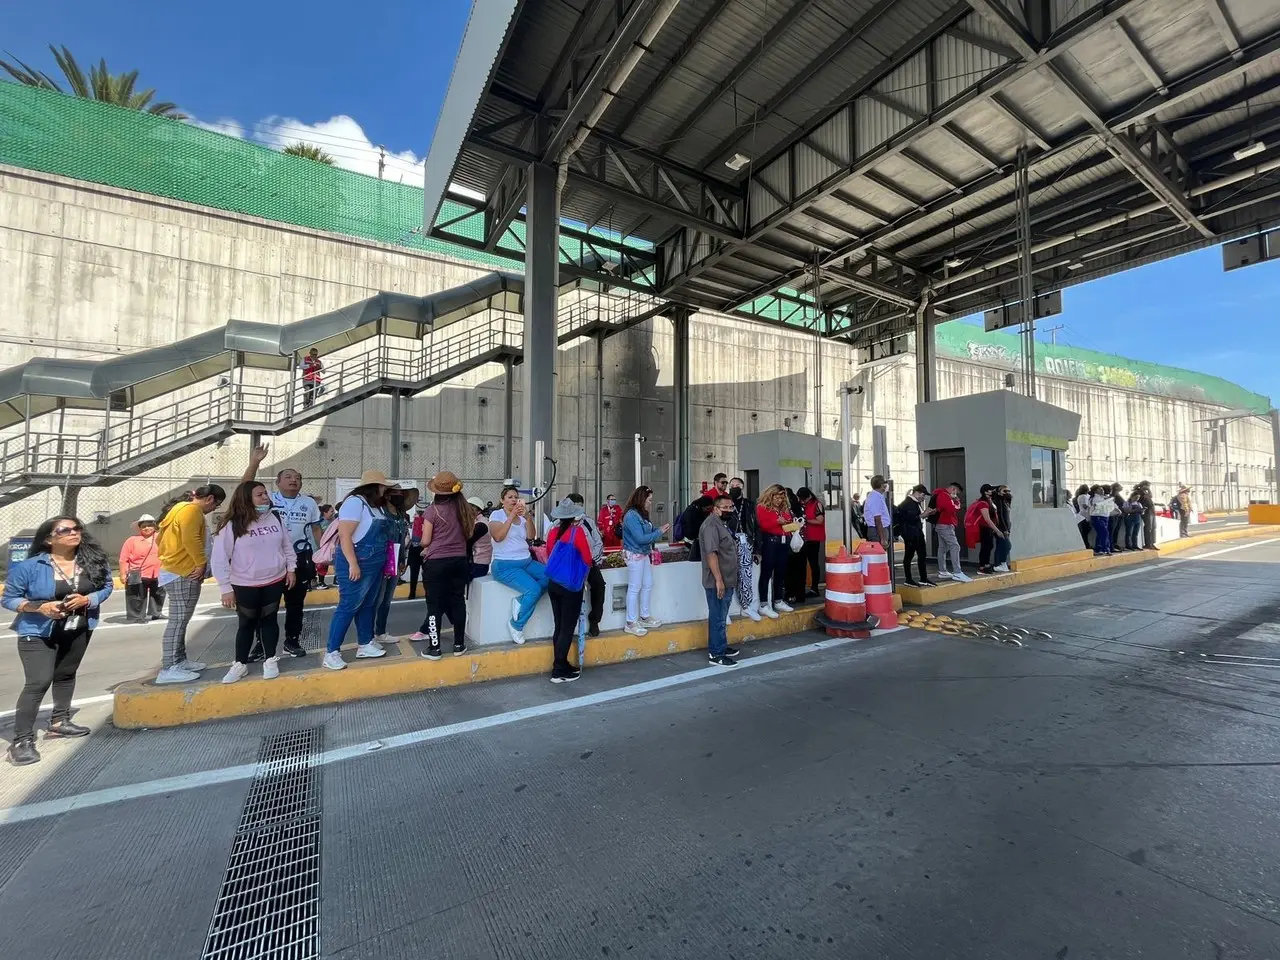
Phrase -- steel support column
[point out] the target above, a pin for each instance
(508, 417)
(542, 248)
(1026, 278)
(680, 390)
(599, 500)
(926, 352)
(394, 460)
(1275, 453)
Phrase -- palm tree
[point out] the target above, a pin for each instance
(308, 151)
(100, 84)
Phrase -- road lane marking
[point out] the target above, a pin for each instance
(1141, 568)
(25, 813)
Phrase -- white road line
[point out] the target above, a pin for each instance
(1141, 568)
(75, 703)
(25, 813)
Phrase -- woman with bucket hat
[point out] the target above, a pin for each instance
(359, 558)
(447, 522)
(568, 563)
(140, 573)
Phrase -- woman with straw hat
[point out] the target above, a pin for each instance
(140, 573)
(447, 523)
(358, 564)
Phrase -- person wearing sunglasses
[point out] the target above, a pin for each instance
(56, 593)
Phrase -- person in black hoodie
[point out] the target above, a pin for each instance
(691, 522)
(909, 522)
(1004, 517)
(1117, 518)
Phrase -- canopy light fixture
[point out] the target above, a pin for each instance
(1250, 149)
(737, 162)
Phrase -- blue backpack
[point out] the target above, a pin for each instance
(565, 565)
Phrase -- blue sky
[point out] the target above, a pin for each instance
(281, 72)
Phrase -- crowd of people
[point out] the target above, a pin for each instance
(1112, 522)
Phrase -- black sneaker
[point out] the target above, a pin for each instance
(593, 630)
(911, 583)
(256, 653)
(459, 647)
(23, 752)
(927, 583)
(732, 653)
(293, 647)
(65, 728)
(567, 676)
(433, 651)
(722, 661)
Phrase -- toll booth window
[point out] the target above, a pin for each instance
(833, 488)
(1044, 477)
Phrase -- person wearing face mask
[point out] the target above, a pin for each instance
(609, 522)
(254, 563)
(719, 552)
(400, 503)
(1003, 500)
(909, 522)
(741, 521)
(183, 537)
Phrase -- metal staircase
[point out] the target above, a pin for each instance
(169, 424)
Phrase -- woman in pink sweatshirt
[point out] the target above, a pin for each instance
(253, 562)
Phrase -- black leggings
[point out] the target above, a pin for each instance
(1085, 529)
(987, 543)
(914, 546)
(566, 605)
(256, 607)
(812, 553)
(774, 557)
(47, 662)
(445, 580)
(414, 560)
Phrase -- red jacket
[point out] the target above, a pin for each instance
(815, 524)
(609, 522)
(142, 554)
(771, 521)
(577, 536)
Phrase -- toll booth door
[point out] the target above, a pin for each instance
(945, 466)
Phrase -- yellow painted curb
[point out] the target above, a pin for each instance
(946, 592)
(141, 703)
(1049, 560)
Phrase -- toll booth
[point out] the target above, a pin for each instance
(1004, 437)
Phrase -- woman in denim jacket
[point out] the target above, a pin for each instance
(638, 537)
(56, 593)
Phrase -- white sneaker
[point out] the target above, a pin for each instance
(753, 613)
(382, 638)
(782, 606)
(176, 674)
(634, 628)
(962, 578)
(270, 668)
(195, 666)
(334, 661)
(650, 623)
(238, 671)
(370, 649)
(769, 612)
(942, 575)
(1003, 568)
(516, 634)
(515, 608)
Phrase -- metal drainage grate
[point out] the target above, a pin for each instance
(269, 904)
(313, 637)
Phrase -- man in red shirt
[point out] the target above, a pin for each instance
(311, 377)
(946, 501)
(609, 523)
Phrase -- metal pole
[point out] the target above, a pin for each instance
(105, 457)
(1275, 454)
(639, 440)
(508, 417)
(680, 389)
(289, 395)
(26, 432)
(1026, 283)
(1226, 460)
(542, 251)
(395, 435)
(926, 351)
(599, 420)
(846, 464)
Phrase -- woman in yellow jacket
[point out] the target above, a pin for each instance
(184, 563)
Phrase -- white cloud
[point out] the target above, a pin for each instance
(227, 125)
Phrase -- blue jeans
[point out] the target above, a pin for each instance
(1132, 529)
(1004, 547)
(528, 578)
(717, 611)
(1101, 534)
(358, 600)
(385, 595)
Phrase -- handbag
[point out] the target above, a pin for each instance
(796, 542)
(133, 578)
(565, 565)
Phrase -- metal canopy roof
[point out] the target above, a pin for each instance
(878, 141)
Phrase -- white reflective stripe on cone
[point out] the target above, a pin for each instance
(835, 597)
(876, 588)
(843, 567)
(875, 558)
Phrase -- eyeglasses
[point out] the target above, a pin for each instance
(64, 531)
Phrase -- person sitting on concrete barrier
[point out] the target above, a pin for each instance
(776, 522)
(638, 537)
(446, 571)
(359, 558)
(946, 506)
(1133, 510)
(742, 523)
(183, 542)
(814, 533)
(909, 522)
(56, 593)
(400, 503)
(719, 577)
(595, 579)
(254, 563)
(1003, 499)
(140, 573)
(1082, 505)
(480, 543)
(1101, 507)
(568, 563)
(513, 565)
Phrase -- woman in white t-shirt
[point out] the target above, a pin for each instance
(364, 535)
(511, 529)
